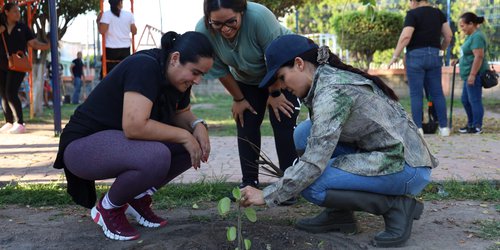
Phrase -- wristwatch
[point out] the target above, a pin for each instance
(199, 120)
(275, 93)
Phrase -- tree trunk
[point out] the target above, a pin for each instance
(38, 89)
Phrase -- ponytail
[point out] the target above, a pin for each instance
(191, 46)
(469, 17)
(114, 7)
(323, 55)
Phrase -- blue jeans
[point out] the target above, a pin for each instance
(411, 180)
(423, 68)
(473, 103)
(77, 82)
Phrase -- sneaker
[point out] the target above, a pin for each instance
(464, 130)
(444, 132)
(114, 223)
(6, 127)
(17, 128)
(476, 131)
(140, 210)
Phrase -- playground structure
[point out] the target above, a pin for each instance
(150, 29)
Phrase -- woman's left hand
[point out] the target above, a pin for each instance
(471, 79)
(251, 196)
(201, 135)
(280, 103)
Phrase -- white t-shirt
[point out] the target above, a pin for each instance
(118, 34)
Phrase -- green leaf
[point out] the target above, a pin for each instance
(251, 214)
(248, 244)
(237, 193)
(224, 206)
(231, 233)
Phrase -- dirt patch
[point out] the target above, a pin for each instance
(444, 225)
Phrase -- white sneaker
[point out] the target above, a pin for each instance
(444, 132)
(17, 129)
(6, 127)
(421, 131)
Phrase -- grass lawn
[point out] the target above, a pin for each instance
(216, 109)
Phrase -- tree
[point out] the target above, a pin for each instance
(67, 11)
(363, 34)
(280, 8)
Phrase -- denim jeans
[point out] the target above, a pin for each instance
(423, 68)
(473, 103)
(77, 82)
(411, 180)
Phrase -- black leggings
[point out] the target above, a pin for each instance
(10, 81)
(137, 165)
(283, 132)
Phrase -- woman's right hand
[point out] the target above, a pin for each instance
(194, 149)
(2, 28)
(238, 110)
(454, 62)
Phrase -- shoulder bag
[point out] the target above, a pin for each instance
(17, 61)
(489, 78)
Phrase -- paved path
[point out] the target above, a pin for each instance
(28, 158)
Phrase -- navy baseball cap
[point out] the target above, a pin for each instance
(282, 50)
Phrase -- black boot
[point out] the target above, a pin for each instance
(329, 220)
(398, 212)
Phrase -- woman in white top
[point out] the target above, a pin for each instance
(115, 25)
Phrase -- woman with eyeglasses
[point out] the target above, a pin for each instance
(240, 33)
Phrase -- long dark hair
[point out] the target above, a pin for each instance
(334, 61)
(191, 45)
(213, 5)
(469, 17)
(3, 16)
(114, 7)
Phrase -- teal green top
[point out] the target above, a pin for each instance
(244, 57)
(476, 40)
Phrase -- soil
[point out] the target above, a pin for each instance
(444, 225)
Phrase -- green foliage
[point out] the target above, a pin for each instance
(450, 190)
(224, 206)
(231, 233)
(368, 35)
(280, 8)
(489, 229)
(251, 214)
(234, 233)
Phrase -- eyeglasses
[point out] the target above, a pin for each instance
(230, 23)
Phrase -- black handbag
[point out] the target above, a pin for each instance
(489, 78)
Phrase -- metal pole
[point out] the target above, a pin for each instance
(448, 51)
(161, 16)
(452, 94)
(55, 66)
(297, 21)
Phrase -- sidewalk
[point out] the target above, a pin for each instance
(28, 158)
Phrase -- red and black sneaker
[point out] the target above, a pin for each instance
(114, 223)
(140, 210)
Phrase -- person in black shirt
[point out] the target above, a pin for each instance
(78, 76)
(17, 37)
(423, 28)
(136, 126)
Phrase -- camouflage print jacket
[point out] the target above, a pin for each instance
(349, 108)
